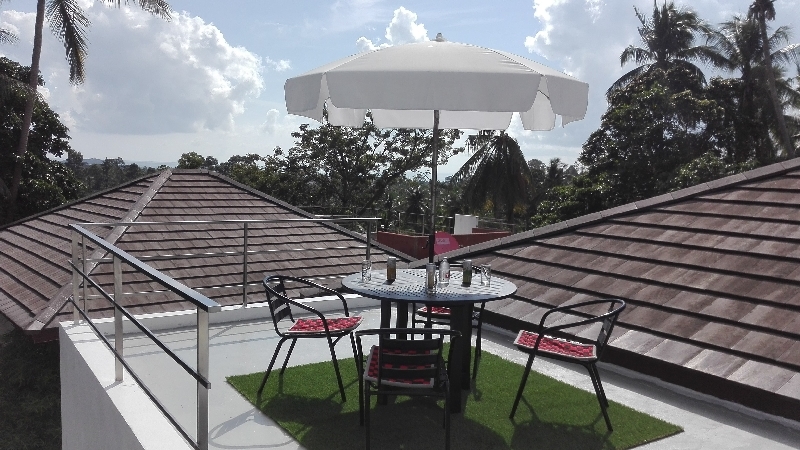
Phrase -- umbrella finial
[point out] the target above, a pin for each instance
(440, 38)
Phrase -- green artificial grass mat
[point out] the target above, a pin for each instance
(305, 401)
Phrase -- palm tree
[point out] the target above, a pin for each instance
(68, 23)
(668, 41)
(762, 11)
(497, 172)
(740, 46)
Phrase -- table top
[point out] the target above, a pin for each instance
(410, 287)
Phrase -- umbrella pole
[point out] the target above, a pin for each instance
(434, 162)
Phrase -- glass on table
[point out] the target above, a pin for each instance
(366, 270)
(486, 274)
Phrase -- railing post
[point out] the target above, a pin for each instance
(202, 370)
(369, 239)
(244, 269)
(83, 269)
(118, 344)
(76, 278)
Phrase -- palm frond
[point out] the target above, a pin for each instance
(626, 79)
(158, 8)
(69, 24)
(7, 37)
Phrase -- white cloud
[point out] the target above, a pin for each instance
(149, 76)
(403, 29)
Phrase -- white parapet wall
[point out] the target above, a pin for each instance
(98, 413)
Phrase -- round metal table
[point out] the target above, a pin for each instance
(409, 287)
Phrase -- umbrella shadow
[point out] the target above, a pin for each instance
(403, 423)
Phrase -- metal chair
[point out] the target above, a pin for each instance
(550, 342)
(428, 315)
(400, 366)
(287, 327)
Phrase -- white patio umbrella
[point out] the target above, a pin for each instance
(437, 84)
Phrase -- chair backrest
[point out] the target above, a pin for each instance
(609, 319)
(277, 299)
(414, 362)
(410, 361)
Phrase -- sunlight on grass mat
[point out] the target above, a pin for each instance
(552, 415)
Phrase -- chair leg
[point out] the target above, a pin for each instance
(288, 355)
(601, 397)
(599, 384)
(447, 419)
(477, 352)
(366, 416)
(336, 368)
(521, 386)
(271, 363)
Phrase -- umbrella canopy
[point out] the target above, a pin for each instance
(437, 84)
(472, 87)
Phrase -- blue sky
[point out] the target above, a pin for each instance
(211, 80)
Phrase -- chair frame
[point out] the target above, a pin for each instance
(608, 320)
(431, 340)
(280, 307)
(429, 319)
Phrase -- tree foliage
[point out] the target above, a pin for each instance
(46, 182)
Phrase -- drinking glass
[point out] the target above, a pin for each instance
(366, 270)
(486, 274)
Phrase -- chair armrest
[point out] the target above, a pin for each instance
(320, 287)
(570, 310)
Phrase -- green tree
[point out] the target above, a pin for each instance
(47, 183)
(762, 11)
(739, 44)
(668, 37)
(68, 23)
(496, 173)
(194, 160)
(350, 170)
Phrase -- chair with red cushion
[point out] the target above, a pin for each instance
(401, 366)
(552, 342)
(440, 315)
(317, 326)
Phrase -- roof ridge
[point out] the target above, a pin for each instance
(60, 298)
(295, 209)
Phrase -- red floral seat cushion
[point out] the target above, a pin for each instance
(526, 340)
(372, 371)
(309, 326)
(436, 311)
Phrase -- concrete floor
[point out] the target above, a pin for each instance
(245, 347)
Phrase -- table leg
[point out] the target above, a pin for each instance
(386, 313)
(460, 320)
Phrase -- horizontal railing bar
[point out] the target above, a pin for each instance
(228, 221)
(136, 378)
(200, 379)
(185, 292)
(255, 283)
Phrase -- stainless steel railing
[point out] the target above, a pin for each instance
(83, 266)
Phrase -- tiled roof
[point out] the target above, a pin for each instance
(34, 253)
(711, 276)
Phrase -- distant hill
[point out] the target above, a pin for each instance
(93, 161)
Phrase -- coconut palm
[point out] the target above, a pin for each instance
(69, 23)
(496, 172)
(740, 46)
(668, 38)
(762, 11)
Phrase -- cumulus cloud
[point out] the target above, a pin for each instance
(403, 29)
(149, 76)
